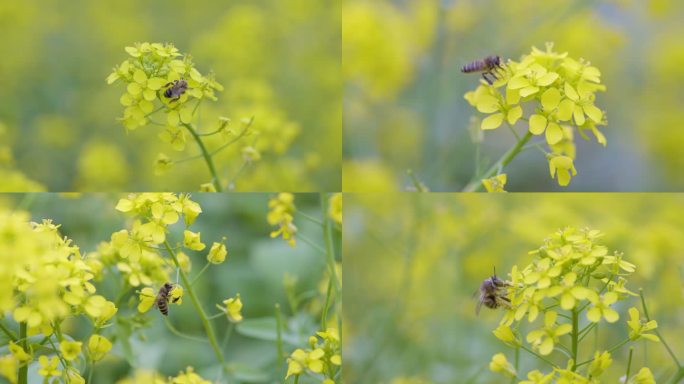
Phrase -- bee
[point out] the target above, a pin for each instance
(163, 298)
(176, 89)
(493, 294)
(487, 66)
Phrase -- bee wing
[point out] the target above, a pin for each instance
(479, 305)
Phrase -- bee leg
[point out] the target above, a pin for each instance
(484, 76)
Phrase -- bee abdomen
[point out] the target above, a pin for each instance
(475, 66)
(163, 307)
(169, 92)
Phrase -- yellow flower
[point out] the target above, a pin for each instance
(599, 364)
(48, 367)
(70, 349)
(176, 294)
(8, 368)
(536, 377)
(281, 211)
(147, 299)
(638, 329)
(217, 253)
(162, 164)
(504, 333)
(233, 308)
(98, 347)
(644, 376)
(563, 167)
(501, 365)
(601, 308)
(19, 353)
(191, 240)
(335, 207)
(544, 338)
(495, 184)
(189, 377)
(74, 377)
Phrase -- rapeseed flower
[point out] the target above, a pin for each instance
(217, 253)
(496, 183)
(544, 338)
(501, 365)
(70, 349)
(233, 308)
(560, 95)
(98, 347)
(281, 213)
(638, 328)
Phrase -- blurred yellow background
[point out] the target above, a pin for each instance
(413, 262)
(404, 106)
(278, 60)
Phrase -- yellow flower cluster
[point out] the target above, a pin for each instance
(44, 280)
(572, 271)
(560, 92)
(280, 212)
(322, 357)
(153, 69)
(134, 252)
(335, 208)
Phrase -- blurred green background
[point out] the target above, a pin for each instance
(413, 261)
(257, 267)
(278, 60)
(404, 106)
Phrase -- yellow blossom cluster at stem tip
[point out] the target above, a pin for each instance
(151, 70)
(496, 183)
(281, 211)
(135, 252)
(573, 272)
(322, 357)
(189, 376)
(554, 94)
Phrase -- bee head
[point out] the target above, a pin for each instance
(168, 286)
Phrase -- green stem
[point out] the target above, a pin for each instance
(678, 376)
(326, 307)
(575, 335)
(181, 334)
(311, 243)
(198, 306)
(296, 379)
(310, 218)
(517, 362)
(226, 336)
(629, 363)
(12, 336)
(623, 342)
(23, 370)
(279, 335)
(540, 357)
(669, 350)
(200, 274)
(90, 364)
(476, 185)
(207, 157)
(329, 252)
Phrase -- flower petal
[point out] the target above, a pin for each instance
(554, 133)
(492, 122)
(593, 112)
(550, 99)
(514, 114)
(537, 124)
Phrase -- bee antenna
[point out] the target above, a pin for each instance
(495, 270)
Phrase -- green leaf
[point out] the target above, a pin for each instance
(245, 373)
(263, 328)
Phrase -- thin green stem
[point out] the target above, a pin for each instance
(475, 185)
(181, 334)
(326, 307)
(540, 357)
(198, 306)
(12, 336)
(91, 365)
(199, 274)
(575, 336)
(629, 363)
(238, 137)
(517, 362)
(329, 251)
(585, 331)
(216, 316)
(310, 218)
(226, 335)
(23, 370)
(279, 335)
(243, 166)
(669, 350)
(311, 243)
(207, 157)
(296, 379)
